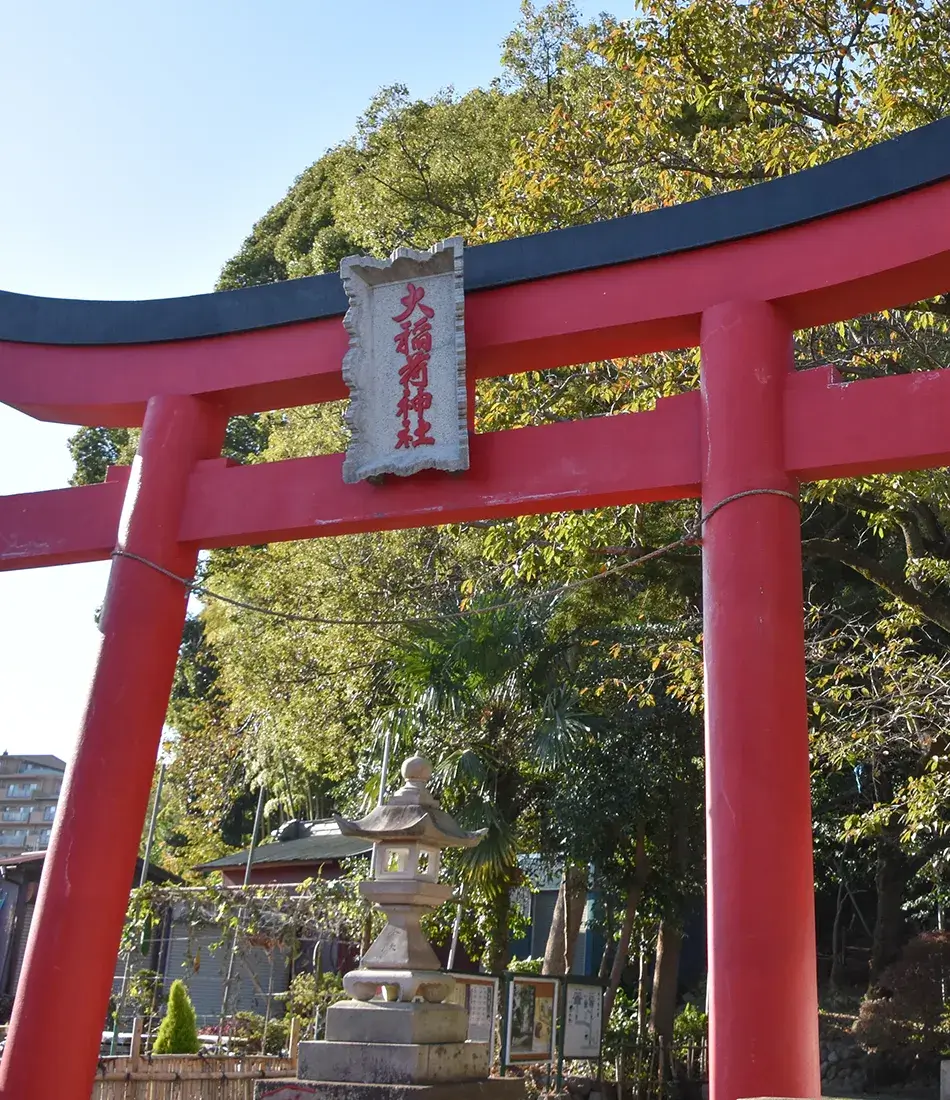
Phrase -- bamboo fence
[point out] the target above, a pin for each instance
(137, 1076)
(652, 1069)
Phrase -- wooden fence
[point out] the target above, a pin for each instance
(137, 1076)
(653, 1070)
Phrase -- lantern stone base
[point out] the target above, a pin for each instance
(396, 1022)
(402, 984)
(497, 1088)
(392, 1063)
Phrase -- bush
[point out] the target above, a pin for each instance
(144, 993)
(308, 992)
(526, 966)
(621, 1029)
(246, 1032)
(690, 1025)
(909, 1017)
(178, 1032)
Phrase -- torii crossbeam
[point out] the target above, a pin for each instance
(735, 274)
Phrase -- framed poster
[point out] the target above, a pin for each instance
(532, 1010)
(478, 995)
(583, 1019)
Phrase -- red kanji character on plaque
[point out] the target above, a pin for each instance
(415, 370)
(413, 298)
(422, 336)
(423, 438)
(402, 339)
(414, 341)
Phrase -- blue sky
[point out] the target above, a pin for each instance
(140, 142)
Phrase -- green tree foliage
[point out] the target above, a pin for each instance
(689, 99)
(178, 1032)
(535, 710)
(299, 236)
(491, 698)
(94, 450)
(209, 802)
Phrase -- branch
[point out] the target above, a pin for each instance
(940, 305)
(673, 162)
(634, 553)
(859, 25)
(778, 97)
(932, 608)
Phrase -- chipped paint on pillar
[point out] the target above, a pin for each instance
(405, 367)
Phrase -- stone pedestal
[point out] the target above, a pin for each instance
(395, 1043)
(395, 1022)
(393, 1050)
(392, 1063)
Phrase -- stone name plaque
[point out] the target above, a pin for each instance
(405, 367)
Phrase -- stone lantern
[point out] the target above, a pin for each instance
(396, 1030)
(408, 833)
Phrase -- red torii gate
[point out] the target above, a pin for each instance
(735, 274)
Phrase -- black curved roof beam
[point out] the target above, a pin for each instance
(917, 159)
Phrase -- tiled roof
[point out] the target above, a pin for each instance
(325, 842)
(155, 873)
(44, 761)
(23, 857)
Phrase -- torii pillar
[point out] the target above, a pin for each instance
(736, 275)
(758, 794)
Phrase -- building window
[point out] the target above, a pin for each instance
(49, 813)
(10, 838)
(21, 790)
(19, 814)
(44, 837)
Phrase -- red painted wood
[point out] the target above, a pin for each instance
(876, 426)
(61, 526)
(611, 460)
(832, 430)
(109, 386)
(67, 975)
(891, 252)
(764, 1026)
(760, 899)
(582, 464)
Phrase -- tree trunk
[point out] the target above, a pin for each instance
(642, 983)
(498, 942)
(669, 942)
(641, 870)
(575, 899)
(888, 920)
(665, 980)
(366, 937)
(605, 958)
(835, 979)
(554, 948)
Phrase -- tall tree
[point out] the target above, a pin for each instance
(687, 98)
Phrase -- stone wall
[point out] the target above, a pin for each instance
(843, 1066)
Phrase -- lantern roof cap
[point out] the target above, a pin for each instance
(412, 814)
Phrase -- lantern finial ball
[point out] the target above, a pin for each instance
(417, 767)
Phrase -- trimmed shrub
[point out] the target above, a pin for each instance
(178, 1031)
